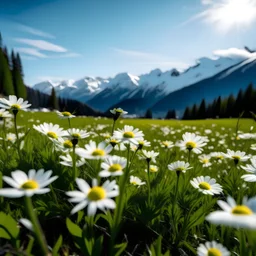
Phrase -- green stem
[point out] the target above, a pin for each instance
(36, 225)
(149, 187)
(113, 127)
(74, 163)
(69, 123)
(4, 136)
(189, 153)
(17, 134)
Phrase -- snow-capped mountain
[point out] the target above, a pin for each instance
(138, 93)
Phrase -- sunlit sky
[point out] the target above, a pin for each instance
(63, 39)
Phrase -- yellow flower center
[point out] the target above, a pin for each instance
(190, 145)
(96, 193)
(10, 138)
(180, 169)
(119, 111)
(220, 157)
(76, 135)
(128, 135)
(205, 185)
(141, 142)
(214, 252)
(165, 143)
(236, 157)
(115, 168)
(113, 141)
(98, 152)
(205, 161)
(242, 210)
(52, 135)
(30, 184)
(66, 113)
(15, 106)
(67, 144)
(134, 183)
(153, 169)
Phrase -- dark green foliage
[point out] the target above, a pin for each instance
(149, 114)
(171, 114)
(53, 102)
(202, 110)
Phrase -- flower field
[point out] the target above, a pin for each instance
(96, 186)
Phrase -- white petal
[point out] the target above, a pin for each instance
(79, 207)
(11, 192)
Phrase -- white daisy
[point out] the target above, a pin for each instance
(65, 115)
(237, 156)
(233, 215)
(179, 166)
(5, 114)
(217, 155)
(252, 169)
(129, 135)
(166, 144)
(74, 133)
(117, 112)
(13, 103)
(136, 181)
(192, 142)
(152, 168)
(212, 249)
(95, 197)
(52, 131)
(205, 160)
(112, 141)
(63, 145)
(27, 185)
(206, 185)
(68, 161)
(94, 151)
(113, 166)
(143, 143)
(149, 155)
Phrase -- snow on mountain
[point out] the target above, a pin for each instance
(102, 93)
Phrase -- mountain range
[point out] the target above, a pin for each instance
(162, 91)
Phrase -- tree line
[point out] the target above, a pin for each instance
(227, 107)
(12, 83)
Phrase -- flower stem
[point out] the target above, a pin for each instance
(17, 134)
(113, 127)
(74, 163)
(36, 225)
(149, 187)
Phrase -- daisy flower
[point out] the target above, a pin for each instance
(65, 115)
(94, 151)
(95, 197)
(112, 141)
(237, 156)
(212, 249)
(179, 166)
(129, 135)
(117, 112)
(233, 215)
(74, 133)
(152, 168)
(149, 155)
(63, 145)
(206, 185)
(52, 131)
(205, 160)
(136, 181)
(68, 161)
(113, 166)
(166, 144)
(143, 143)
(217, 155)
(5, 114)
(14, 104)
(252, 169)
(192, 142)
(27, 185)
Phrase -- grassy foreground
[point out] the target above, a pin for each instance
(165, 215)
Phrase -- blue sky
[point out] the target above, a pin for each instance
(63, 39)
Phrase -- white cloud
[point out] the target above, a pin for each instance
(30, 52)
(34, 31)
(41, 44)
(206, 2)
(234, 53)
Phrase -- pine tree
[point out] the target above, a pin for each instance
(202, 110)
(238, 108)
(171, 114)
(194, 112)
(53, 102)
(230, 106)
(20, 89)
(149, 114)
(1, 41)
(248, 100)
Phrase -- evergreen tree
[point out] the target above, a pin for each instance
(194, 112)
(202, 110)
(238, 108)
(1, 41)
(187, 114)
(230, 106)
(149, 114)
(217, 108)
(20, 89)
(53, 102)
(171, 114)
(248, 100)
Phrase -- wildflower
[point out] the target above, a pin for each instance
(27, 185)
(166, 144)
(52, 131)
(68, 161)
(192, 142)
(136, 181)
(94, 197)
(4, 114)
(113, 166)
(14, 104)
(237, 156)
(112, 141)
(179, 166)
(206, 185)
(65, 115)
(143, 143)
(212, 249)
(129, 135)
(233, 215)
(93, 151)
(205, 160)
(217, 155)
(149, 155)
(252, 169)
(75, 134)
(152, 168)
(117, 112)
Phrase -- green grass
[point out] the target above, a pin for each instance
(170, 220)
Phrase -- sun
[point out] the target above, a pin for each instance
(229, 14)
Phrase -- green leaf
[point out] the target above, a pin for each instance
(57, 246)
(119, 249)
(97, 247)
(73, 229)
(8, 227)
